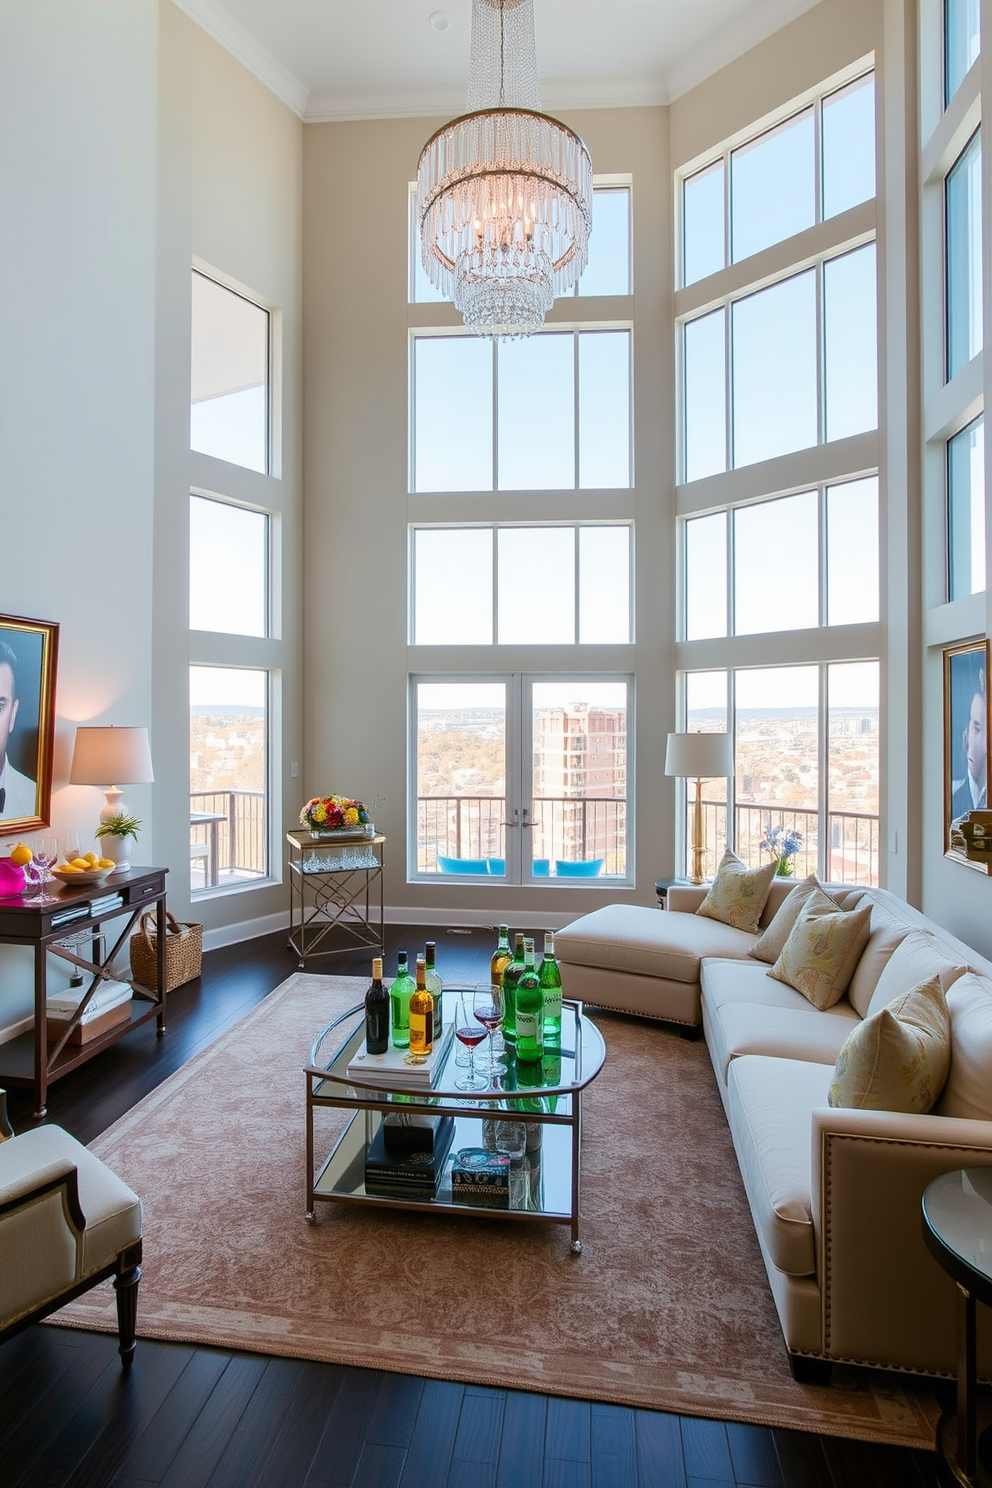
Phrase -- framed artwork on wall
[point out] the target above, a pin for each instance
(966, 725)
(28, 664)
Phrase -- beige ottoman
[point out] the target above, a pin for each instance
(643, 961)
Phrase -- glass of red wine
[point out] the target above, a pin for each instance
(487, 1009)
(470, 1033)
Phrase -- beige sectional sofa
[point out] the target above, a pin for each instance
(834, 1193)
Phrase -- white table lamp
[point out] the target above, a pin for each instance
(107, 752)
(699, 757)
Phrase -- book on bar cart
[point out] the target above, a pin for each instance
(399, 1068)
(414, 1172)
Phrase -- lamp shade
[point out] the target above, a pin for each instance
(108, 755)
(699, 756)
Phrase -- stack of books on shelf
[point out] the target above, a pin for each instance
(109, 1005)
(481, 1177)
(399, 1069)
(407, 1161)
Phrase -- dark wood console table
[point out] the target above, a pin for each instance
(29, 1059)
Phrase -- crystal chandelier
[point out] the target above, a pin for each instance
(504, 192)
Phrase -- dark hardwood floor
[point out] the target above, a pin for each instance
(203, 1418)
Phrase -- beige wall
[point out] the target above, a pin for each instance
(147, 145)
(357, 507)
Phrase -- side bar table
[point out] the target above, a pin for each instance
(336, 895)
(957, 1229)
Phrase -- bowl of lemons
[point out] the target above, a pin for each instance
(88, 869)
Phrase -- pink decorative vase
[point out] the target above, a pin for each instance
(11, 878)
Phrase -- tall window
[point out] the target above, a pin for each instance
(966, 511)
(228, 568)
(521, 779)
(963, 257)
(228, 770)
(806, 752)
(229, 409)
(782, 373)
(551, 412)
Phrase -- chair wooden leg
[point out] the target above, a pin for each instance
(126, 1287)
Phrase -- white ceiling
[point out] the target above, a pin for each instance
(350, 59)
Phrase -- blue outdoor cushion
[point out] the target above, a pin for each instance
(477, 866)
(541, 867)
(497, 867)
(588, 868)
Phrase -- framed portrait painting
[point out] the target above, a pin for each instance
(966, 725)
(28, 663)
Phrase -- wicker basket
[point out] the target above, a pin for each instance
(183, 952)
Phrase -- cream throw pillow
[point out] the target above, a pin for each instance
(898, 1059)
(769, 947)
(737, 895)
(823, 948)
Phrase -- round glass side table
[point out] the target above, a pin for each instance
(957, 1229)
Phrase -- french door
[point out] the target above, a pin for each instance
(520, 778)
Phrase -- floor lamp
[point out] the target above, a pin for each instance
(699, 757)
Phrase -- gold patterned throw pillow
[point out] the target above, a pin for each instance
(737, 895)
(898, 1059)
(769, 947)
(823, 949)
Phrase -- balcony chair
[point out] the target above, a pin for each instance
(478, 867)
(66, 1223)
(586, 868)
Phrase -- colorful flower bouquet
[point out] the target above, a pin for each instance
(336, 814)
(782, 845)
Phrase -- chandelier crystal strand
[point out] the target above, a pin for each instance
(504, 192)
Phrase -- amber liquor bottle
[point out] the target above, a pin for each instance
(421, 1013)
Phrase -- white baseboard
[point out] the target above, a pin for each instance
(227, 935)
(478, 919)
(6, 1034)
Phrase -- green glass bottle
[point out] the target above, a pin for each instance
(550, 977)
(434, 986)
(400, 993)
(511, 975)
(529, 1010)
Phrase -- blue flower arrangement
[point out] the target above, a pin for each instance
(782, 845)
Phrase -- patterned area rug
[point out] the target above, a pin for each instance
(668, 1306)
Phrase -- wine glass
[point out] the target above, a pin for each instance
(71, 846)
(470, 1033)
(45, 852)
(487, 1009)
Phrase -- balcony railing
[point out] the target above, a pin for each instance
(563, 828)
(852, 848)
(232, 845)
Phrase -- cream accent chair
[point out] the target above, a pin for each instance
(66, 1223)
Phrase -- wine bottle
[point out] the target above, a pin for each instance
(421, 1013)
(435, 987)
(399, 1001)
(529, 1010)
(510, 978)
(377, 1004)
(550, 978)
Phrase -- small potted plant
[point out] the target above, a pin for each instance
(114, 834)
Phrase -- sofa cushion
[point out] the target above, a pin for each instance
(647, 942)
(968, 1091)
(916, 958)
(769, 1105)
(823, 948)
(887, 932)
(897, 1060)
(737, 895)
(738, 1028)
(769, 944)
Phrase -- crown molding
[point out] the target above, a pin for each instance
(732, 42)
(556, 94)
(245, 48)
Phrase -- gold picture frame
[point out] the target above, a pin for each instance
(966, 725)
(28, 665)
